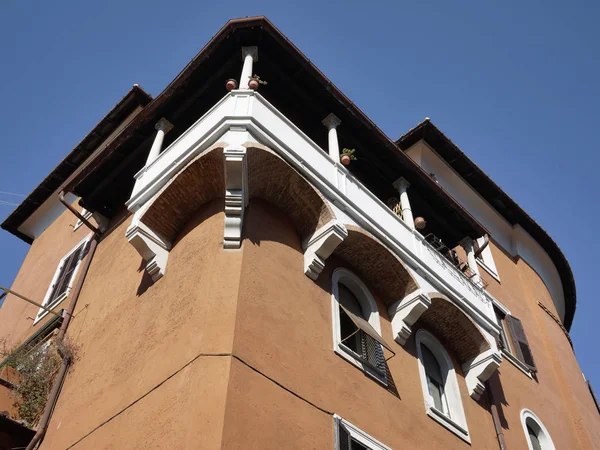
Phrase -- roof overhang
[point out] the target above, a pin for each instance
(499, 200)
(134, 99)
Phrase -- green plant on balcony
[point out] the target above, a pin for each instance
(37, 368)
(347, 156)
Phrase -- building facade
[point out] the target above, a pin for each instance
(229, 280)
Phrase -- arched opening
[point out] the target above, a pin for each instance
(357, 329)
(536, 434)
(441, 392)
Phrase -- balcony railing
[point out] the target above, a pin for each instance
(249, 111)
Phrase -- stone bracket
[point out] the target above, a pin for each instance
(406, 312)
(151, 247)
(321, 245)
(479, 370)
(236, 194)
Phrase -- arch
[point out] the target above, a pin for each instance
(272, 179)
(454, 327)
(269, 178)
(376, 264)
(367, 354)
(362, 293)
(530, 421)
(186, 192)
(452, 416)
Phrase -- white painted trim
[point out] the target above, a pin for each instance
(357, 434)
(249, 111)
(406, 312)
(545, 439)
(488, 270)
(368, 305)
(43, 313)
(321, 245)
(515, 362)
(456, 421)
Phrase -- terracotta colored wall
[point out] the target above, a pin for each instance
(234, 349)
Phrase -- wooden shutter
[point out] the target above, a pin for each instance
(520, 344)
(65, 274)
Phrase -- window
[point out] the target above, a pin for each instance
(443, 402)
(86, 215)
(485, 258)
(536, 434)
(348, 437)
(356, 328)
(63, 278)
(513, 341)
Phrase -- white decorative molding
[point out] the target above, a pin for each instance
(479, 370)
(152, 247)
(321, 245)
(406, 312)
(236, 194)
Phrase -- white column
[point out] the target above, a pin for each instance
(402, 185)
(163, 126)
(332, 122)
(467, 244)
(250, 56)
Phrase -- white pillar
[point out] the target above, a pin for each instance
(163, 126)
(250, 56)
(467, 244)
(332, 122)
(402, 185)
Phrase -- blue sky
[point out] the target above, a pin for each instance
(515, 85)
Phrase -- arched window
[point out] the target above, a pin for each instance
(536, 434)
(356, 328)
(441, 393)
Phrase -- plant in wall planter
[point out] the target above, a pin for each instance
(255, 82)
(347, 156)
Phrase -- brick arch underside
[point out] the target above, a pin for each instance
(453, 328)
(374, 263)
(269, 178)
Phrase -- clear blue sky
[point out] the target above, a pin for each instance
(515, 85)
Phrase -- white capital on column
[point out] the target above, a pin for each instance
(163, 126)
(467, 244)
(402, 185)
(332, 122)
(250, 56)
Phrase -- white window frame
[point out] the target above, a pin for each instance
(87, 215)
(368, 305)
(356, 434)
(544, 436)
(43, 313)
(456, 421)
(487, 259)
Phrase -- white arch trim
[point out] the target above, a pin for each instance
(457, 422)
(537, 425)
(370, 310)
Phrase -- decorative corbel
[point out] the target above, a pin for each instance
(152, 247)
(478, 370)
(321, 245)
(405, 312)
(236, 194)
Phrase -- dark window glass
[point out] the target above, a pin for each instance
(533, 437)
(435, 380)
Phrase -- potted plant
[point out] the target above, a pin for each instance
(347, 156)
(231, 84)
(255, 82)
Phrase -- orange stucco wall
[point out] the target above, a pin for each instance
(234, 349)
